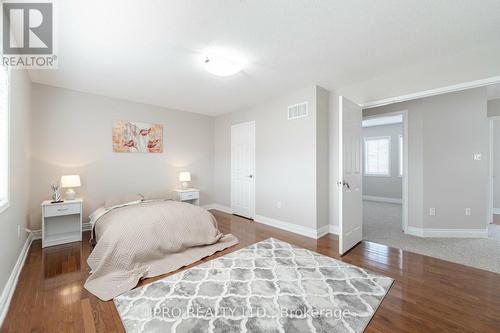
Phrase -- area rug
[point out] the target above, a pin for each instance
(271, 286)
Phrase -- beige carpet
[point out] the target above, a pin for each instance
(382, 224)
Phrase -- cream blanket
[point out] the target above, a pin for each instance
(149, 239)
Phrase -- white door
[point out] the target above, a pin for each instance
(243, 169)
(350, 175)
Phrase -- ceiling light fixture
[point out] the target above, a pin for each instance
(223, 62)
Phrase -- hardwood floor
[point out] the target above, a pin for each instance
(429, 295)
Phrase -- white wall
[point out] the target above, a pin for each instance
(382, 186)
(222, 160)
(333, 160)
(496, 164)
(286, 158)
(72, 135)
(17, 213)
(322, 158)
(494, 108)
(444, 133)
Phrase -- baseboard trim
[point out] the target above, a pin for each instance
(324, 230)
(334, 229)
(496, 211)
(222, 208)
(10, 286)
(287, 226)
(296, 229)
(37, 234)
(447, 233)
(382, 199)
(414, 231)
(456, 233)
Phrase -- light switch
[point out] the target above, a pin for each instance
(477, 156)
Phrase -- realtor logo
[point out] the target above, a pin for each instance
(28, 34)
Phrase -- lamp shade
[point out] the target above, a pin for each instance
(70, 181)
(184, 176)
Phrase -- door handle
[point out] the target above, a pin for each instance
(250, 176)
(344, 183)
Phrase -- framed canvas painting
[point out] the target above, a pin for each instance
(136, 137)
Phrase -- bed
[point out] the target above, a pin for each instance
(147, 238)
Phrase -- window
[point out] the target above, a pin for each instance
(400, 155)
(4, 139)
(377, 156)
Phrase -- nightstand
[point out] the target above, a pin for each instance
(61, 222)
(191, 195)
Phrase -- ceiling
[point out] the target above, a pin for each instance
(149, 51)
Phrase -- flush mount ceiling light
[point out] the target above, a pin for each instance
(223, 62)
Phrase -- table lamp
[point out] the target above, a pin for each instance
(184, 177)
(70, 182)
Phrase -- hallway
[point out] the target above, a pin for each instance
(382, 224)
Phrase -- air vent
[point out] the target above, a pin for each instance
(297, 111)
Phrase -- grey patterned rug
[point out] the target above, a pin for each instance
(270, 286)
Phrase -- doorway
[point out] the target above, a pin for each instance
(348, 169)
(385, 176)
(243, 169)
(494, 196)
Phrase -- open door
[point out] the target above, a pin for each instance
(350, 175)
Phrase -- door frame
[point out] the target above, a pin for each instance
(491, 208)
(253, 198)
(405, 178)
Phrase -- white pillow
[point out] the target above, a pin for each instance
(97, 213)
(157, 196)
(122, 199)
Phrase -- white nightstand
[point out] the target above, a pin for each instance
(61, 222)
(191, 195)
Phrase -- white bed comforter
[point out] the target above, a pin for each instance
(145, 239)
